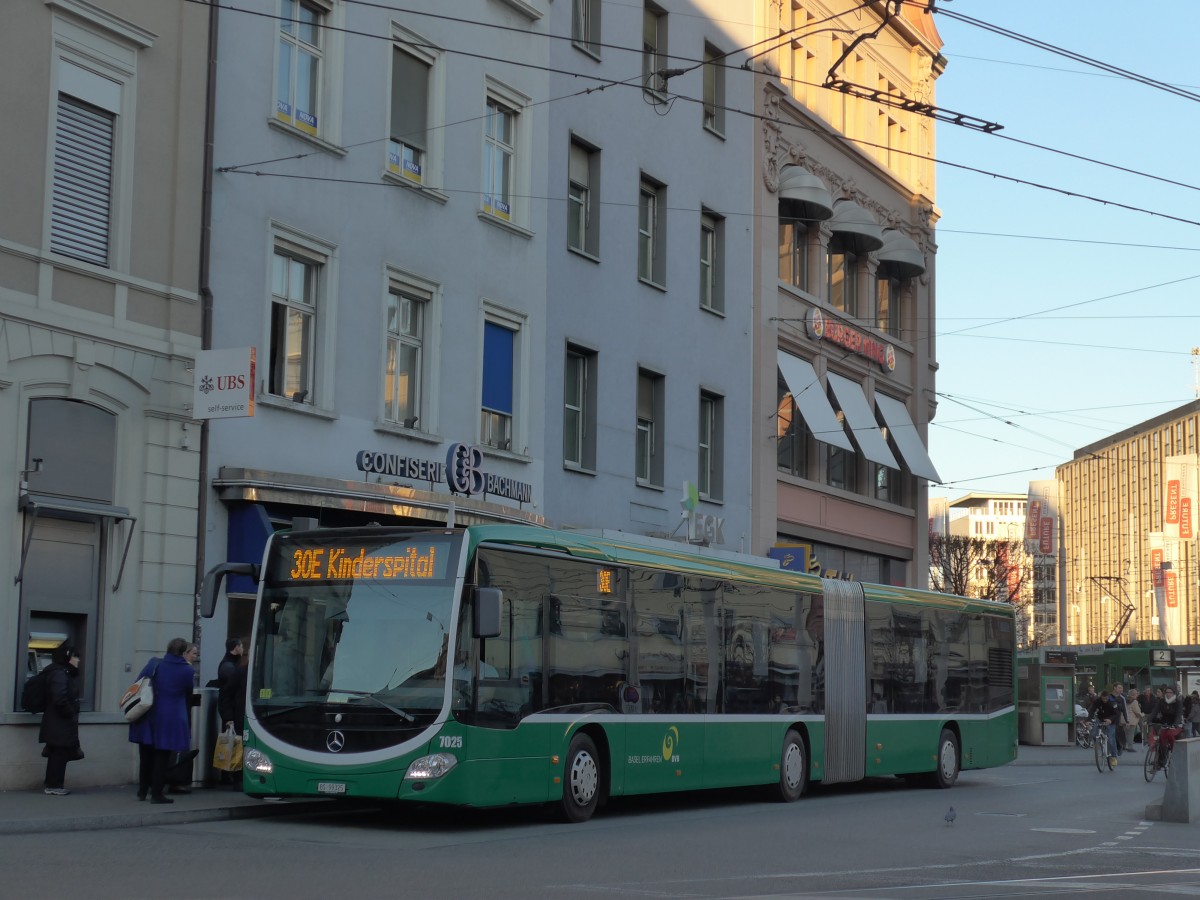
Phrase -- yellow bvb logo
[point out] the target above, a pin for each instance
(670, 739)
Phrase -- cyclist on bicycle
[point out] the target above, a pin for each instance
(1110, 711)
(1169, 715)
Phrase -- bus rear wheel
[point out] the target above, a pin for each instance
(581, 781)
(948, 760)
(793, 769)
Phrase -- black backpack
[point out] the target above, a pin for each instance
(33, 695)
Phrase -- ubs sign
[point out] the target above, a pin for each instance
(462, 472)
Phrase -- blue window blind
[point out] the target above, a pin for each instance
(498, 368)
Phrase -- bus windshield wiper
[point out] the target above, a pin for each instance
(372, 696)
(275, 709)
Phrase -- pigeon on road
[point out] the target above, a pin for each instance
(951, 815)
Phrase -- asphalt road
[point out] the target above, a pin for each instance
(1023, 830)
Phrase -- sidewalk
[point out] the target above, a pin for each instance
(1054, 755)
(90, 809)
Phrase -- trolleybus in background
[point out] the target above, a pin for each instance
(1136, 665)
(506, 664)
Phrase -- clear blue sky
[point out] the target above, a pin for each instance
(1080, 322)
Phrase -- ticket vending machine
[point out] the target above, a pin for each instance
(1046, 696)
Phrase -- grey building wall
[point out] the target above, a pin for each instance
(596, 300)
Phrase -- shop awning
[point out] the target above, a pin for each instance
(853, 401)
(856, 229)
(908, 442)
(34, 505)
(809, 397)
(900, 254)
(802, 195)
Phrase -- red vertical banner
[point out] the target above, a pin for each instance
(1185, 517)
(1172, 591)
(1046, 535)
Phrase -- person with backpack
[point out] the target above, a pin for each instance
(60, 719)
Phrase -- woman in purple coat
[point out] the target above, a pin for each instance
(166, 728)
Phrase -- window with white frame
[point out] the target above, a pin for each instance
(579, 409)
(648, 463)
(842, 286)
(652, 202)
(299, 85)
(89, 194)
(501, 350)
(583, 212)
(585, 26)
(712, 261)
(408, 144)
(654, 49)
(404, 383)
(499, 150)
(295, 285)
(714, 89)
(710, 449)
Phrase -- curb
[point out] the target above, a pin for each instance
(172, 817)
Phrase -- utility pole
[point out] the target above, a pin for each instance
(1196, 372)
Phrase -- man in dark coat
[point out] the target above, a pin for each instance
(60, 722)
(1147, 702)
(231, 693)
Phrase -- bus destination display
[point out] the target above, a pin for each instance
(425, 561)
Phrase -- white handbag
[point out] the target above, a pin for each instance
(139, 698)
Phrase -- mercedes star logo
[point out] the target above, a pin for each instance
(335, 741)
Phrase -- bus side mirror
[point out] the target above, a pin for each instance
(487, 612)
(211, 586)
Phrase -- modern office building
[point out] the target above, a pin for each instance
(1129, 506)
(100, 321)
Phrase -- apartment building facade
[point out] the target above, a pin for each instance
(100, 321)
(845, 355)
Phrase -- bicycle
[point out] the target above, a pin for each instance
(1083, 733)
(1153, 764)
(1104, 762)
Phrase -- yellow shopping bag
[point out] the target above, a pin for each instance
(227, 755)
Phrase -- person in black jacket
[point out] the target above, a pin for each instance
(1110, 710)
(1168, 717)
(60, 722)
(231, 692)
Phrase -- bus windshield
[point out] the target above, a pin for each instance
(354, 622)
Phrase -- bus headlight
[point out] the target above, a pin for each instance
(434, 766)
(257, 761)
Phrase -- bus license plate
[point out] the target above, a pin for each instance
(330, 787)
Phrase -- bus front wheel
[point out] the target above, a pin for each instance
(793, 769)
(948, 760)
(581, 781)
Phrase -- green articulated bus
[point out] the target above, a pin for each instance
(509, 664)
